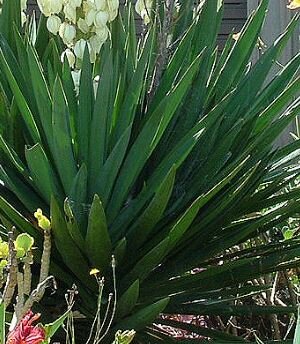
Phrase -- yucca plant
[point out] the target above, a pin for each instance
(168, 177)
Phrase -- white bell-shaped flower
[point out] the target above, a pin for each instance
(76, 74)
(102, 33)
(67, 32)
(145, 16)
(68, 54)
(90, 16)
(112, 15)
(70, 12)
(113, 5)
(53, 24)
(101, 19)
(79, 48)
(56, 6)
(143, 8)
(96, 43)
(83, 26)
(101, 5)
(45, 7)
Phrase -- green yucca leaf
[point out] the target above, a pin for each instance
(78, 196)
(10, 16)
(41, 93)
(70, 92)
(12, 157)
(74, 230)
(267, 116)
(85, 106)
(238, 58)
(97, 240)
(62, 144)
(100, 128)
(69, 252)
(178, 61)
(110, 169)
(21, 189)
(277, 85)
(20, 99)
(126, 113)
(144, 316)
(149, 261)
(140, 231)
(42, 172)
(128, 300)
(120, 250)
(149, 139)
(21, 46)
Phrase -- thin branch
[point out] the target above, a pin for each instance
(11, 282)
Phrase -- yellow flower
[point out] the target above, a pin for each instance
(94, 271)
(43, 221)
(294, 4)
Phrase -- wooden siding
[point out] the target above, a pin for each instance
(235, 14)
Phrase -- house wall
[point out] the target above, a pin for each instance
(277, 19)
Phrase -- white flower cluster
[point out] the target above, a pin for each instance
(80, 23)
(23, 9)
(144, 8)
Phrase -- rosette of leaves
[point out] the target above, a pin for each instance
(168, 182)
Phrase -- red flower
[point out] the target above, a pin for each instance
(25, 332)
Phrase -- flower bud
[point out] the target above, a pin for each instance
(79, 48)
(143, 8)
(113, 5)
(49, 7)
(56, 6)
(70, 12)
(23, 5)
(96, 43)
(102, 33)
(43, 221)
(70, 57)
(76, 74)
(45, 7)
(23, 18)
(100, 5)
(82, 25)
(67, 32)
(101, 19)
(145, 16)
(112, 15)
(90, 16)
(53, 24)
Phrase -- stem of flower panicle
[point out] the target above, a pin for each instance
(21, 279)
(11, 281)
